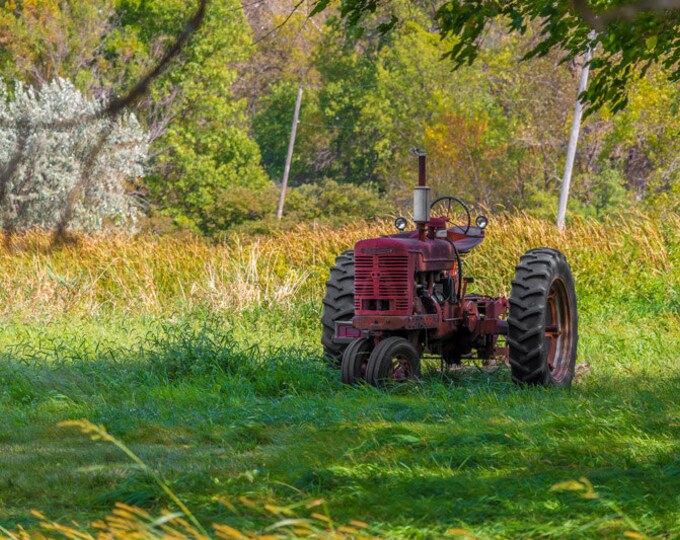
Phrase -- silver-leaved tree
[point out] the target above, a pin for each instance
(65, 164)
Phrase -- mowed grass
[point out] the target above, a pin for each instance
(204, 360)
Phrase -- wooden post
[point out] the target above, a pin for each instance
(289, 157)
(573, 138)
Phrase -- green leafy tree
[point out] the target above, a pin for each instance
(492, 129)
(41, 40)
(630, 36)
(271, 123)
(205, 150)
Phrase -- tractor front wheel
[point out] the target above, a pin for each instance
(394, 359)
(355, 361)
(338, 304)
(543, 320)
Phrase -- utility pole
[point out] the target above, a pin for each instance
(289, 157)
(573, 137)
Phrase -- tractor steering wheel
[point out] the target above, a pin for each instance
(446, 201)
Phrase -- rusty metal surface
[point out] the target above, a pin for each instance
(396, 322)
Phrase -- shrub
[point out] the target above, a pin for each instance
(254, 210)
(338, 203)
(238, 205)
(52, 164)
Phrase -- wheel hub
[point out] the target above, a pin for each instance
(556, 328)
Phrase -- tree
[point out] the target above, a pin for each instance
(199, 131)
(631, 36)
(494, 129)
(206, 150)
(45, 39)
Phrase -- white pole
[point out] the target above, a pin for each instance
(289, 157)
(573, 138)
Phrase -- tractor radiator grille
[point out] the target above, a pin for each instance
(381, 283)
(363, 277)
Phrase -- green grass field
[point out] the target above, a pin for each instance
(205, 361)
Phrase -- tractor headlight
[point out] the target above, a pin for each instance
(482, 222)
(400, 223)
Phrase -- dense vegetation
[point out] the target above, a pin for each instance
(197, 353)
(629, 35)
(219, 119)
(205, 360)
(57, 162)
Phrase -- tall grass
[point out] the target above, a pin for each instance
(204, 358)
(628, 260)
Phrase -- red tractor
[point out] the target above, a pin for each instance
(394, 298)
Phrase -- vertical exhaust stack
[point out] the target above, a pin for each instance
(421, 196)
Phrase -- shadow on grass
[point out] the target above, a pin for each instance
(487, 457)
(218, 420)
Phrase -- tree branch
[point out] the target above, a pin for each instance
(116, 105)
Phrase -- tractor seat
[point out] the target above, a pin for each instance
(465, 242)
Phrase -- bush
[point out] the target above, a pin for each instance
(338, 203)
(52, 161)
(239, 205)
(254, 210)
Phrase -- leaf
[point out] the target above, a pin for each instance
(319, 6)
(568, 485)
(651, 42)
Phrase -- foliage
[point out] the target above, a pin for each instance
(223, 393)
(199, 130)
(47, 39)
(629, 39)
(54, 163)
(219, 120)
(206, 149)
(489, 139)
(339, 203)
(496, 130)
(326, 201)
(271, 129)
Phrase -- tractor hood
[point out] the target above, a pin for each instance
(464, 241)
(431, 255)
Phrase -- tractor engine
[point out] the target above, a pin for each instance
(399, 280)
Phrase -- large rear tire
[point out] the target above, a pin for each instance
(543, 320)
(338, 304)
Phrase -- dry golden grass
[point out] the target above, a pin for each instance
(148, 274)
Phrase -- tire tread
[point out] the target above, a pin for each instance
(338, 304)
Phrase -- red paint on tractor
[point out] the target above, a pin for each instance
(394, 287)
